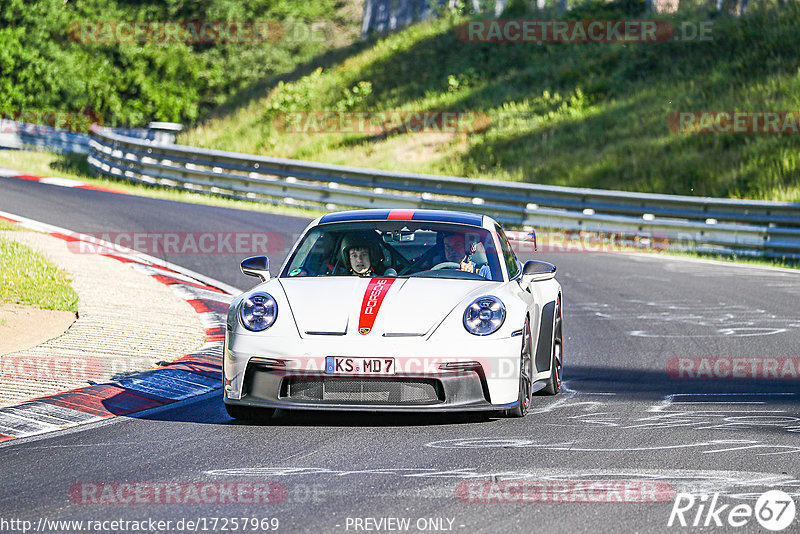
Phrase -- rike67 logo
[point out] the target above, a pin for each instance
(774, 510)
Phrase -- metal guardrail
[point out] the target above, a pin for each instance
(726, 226)
(22, 135)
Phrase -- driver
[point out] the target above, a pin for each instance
(455, 251)
(356, 254)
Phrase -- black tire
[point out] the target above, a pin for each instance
(248, 413)
(557, 359)
(525, 375)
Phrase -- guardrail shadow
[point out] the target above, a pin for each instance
(212, 411)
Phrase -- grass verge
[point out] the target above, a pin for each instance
(27, 277)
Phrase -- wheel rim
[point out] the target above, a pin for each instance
(526, 368)
(557, 341)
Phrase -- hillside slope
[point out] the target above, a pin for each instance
(577, 114)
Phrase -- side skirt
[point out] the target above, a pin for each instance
(544, 343)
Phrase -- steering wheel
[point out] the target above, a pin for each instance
(446, 265)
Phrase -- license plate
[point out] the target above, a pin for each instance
(337, 365)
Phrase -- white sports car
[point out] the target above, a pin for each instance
(395, 310)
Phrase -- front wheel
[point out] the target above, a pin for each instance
(249, 413)
(525, 376)
(557, 360)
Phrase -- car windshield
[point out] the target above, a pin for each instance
(396, 249)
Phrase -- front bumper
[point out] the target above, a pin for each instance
(462, 390)
(267, 375)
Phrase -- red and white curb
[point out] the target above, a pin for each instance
(55, 180)
(192, 375)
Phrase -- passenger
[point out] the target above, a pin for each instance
(455, 251)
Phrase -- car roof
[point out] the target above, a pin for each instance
(457, 217)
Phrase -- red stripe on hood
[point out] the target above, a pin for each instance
(373, 298)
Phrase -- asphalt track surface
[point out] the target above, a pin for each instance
(621, 417)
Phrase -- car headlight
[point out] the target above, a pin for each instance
(258, 311)
(484, 316)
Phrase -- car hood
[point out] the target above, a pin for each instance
(384, 306)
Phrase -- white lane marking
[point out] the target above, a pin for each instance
(9, 173)
(195, 293)
(668, 400)
(61, 182)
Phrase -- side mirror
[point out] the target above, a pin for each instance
(537, 271)
(256, 266)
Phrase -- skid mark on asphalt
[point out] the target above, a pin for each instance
(700, 411)
(718, 320)
(566, 395)
(741, 484)
(704, 411)
(713, 446)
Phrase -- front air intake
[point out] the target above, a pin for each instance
(362, 391)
